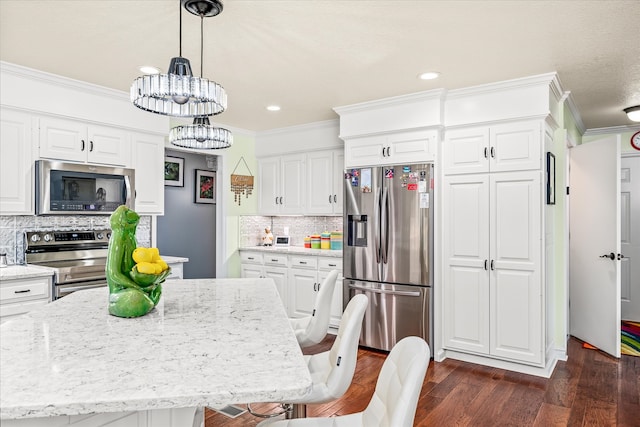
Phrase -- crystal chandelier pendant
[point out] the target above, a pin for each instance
(201, 135)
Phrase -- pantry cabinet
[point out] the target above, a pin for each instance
(77, 141)
(148, 162)
(325, 172)
(281, 183)
(493, 296)
(498, 148)
(16, 163)
(389, 149)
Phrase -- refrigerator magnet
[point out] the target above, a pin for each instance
(365, 180)
(388, 173)
(422, 186)
(424, 200)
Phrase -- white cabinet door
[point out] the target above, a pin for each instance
(338, 181)
(109, 146)
(16, 163)
(336, 301)
(303, 286)
(492, 286)
(293, 184)
(78, 142)
(148, 162)
(466, 254)
(364, 151)
(251, 271)
(466, 151)
(63, 140)
(280, 276)
(410, 147)
(320, 193)
(269, 186)
(515, 146)
(499, 148)
(515, 266)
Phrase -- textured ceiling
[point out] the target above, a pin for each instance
(310, 56)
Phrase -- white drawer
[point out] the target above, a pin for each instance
(251, 257)
(304, 262)
(329, 263)
(275, 259)
(23, 290)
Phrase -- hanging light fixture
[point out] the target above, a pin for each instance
(178, 93)
(201, 134)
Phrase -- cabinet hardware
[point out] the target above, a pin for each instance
(276, 200)
(303, 262)
(274, 260)
(492, 265)
(335, 199)
(388, 154)
(332, 265)
(329, 198)
(251, 258)
(90, 146)
(620, 256)
(383, 152)
(485, 152)
(493, 152)
(82, 147)
(280, 199)
(611, 256)
(24, 291)
(485, 264)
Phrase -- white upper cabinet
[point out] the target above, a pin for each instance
(325, 170)
(498, 148)
(282, 183)
(148, 162)
(16, 163)
(395, 148)
(75, 141)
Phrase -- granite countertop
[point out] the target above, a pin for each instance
(209, 342)
(13, 272)
(296, 250)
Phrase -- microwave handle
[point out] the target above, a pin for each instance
(127, 185)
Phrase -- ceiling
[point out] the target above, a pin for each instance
(310, 56)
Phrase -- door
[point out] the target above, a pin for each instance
(630, 232)
(361, 250)
(405, 224)
(594, 222)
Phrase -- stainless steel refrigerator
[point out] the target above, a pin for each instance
(387, 251)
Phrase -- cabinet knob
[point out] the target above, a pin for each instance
(90, 146)
(329, 198)
(335, 199)
(493, 152)
(82, 146)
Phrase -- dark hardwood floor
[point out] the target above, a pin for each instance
(589, 389)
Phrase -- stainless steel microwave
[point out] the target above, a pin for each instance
(77, 189)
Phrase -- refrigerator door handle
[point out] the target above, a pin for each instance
(385, 225)
(376, 225)
(384, 291)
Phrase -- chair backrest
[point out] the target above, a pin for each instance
(332, 370)
(318, 326)
(395, 399)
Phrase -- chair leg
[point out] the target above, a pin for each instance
(299, 411)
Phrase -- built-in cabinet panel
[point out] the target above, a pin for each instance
(492, 277)
(281, 184)
(16, 163)
(325, 171)
(395, 148)
(148, 162)
(498, 148)
(76, 141)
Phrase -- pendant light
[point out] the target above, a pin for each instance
(178, 93)
(633, 113)
(201, 134)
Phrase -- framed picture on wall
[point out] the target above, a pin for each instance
(205, 186)
(174, 171)
(551, 179)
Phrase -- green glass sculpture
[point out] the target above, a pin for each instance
(131, 293)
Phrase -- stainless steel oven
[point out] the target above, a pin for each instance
(78, 257)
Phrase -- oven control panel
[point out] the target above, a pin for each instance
(76, 237)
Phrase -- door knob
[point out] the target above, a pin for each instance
(620, 256)
(611, 256)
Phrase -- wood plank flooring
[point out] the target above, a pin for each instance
(589, 389)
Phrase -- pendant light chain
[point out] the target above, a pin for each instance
(201, 43)
(180, 34)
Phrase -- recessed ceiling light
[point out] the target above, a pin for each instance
(273, 107)
(429, 75)
(147, 69)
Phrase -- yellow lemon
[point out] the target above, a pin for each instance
(158, 268)
(163, 264)
(141, 254)
(155, 254)
(146, 267)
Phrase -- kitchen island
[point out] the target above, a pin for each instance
(209, 342)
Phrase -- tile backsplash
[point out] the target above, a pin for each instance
(252, 227)
(12, 229)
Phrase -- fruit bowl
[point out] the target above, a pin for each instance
(145, 280)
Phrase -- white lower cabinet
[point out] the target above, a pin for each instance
(298, 279)
(492, 243)
(19, 296)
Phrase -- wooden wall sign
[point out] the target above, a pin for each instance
(241, 184)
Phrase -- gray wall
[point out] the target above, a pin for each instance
(188, 229)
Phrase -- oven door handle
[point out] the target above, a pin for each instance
(81, 288)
